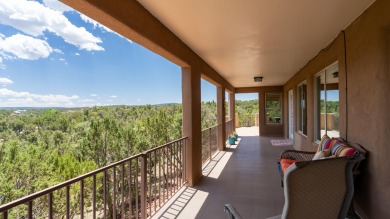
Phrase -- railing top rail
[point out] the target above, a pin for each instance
(164, 145)
(46, 191)
(210, 127)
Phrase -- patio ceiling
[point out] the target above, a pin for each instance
(243, 39)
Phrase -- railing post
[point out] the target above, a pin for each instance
(143, 186)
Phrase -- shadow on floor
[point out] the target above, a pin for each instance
(179, 203)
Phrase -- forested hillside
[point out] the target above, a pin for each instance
(40, 148)
(43, 147)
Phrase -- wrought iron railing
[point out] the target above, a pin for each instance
(135, 187)
(209, 143)
(229, 128)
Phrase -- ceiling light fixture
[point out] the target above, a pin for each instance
(258, 79)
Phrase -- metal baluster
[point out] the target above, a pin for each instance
(130, 196)
(67, 202)
(5, 214)
(123, 190)
(82, 199)
(143, 186)
(105, 194)
(30, 210)
(163, 178)
(174, 166)
(50, 205)
(94, 197)
(149, 184)
(210, 144)
(155, 181)
(177, 165)
(185, 161)
(159, 177)
(114, 194)
(170, 170)
(136, 190)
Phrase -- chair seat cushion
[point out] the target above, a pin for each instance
(285, 163)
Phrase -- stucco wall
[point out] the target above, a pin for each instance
(364, 102)
(334, 52)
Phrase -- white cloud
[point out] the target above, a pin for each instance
(77, 54)
(57, 5)
(96, 24)
(93, 95)
(113, 96)
(25, 47)
(5, 81)
(34, 19)
(2, 66)
(15, 98)
(61, 59)
(58, 51)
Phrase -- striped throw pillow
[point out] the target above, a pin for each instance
(342, 149)
(333, 143)
(325, 143)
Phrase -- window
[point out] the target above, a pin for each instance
(273, 108)
(326, 90)
(302, 108)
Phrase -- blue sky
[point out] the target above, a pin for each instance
(51, 56)
(331, 95)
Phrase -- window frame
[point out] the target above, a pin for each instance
(300, 120)
(317, 108)
(279, 108)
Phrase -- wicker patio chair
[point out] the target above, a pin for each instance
(321, 189)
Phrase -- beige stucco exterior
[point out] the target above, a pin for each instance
(364, 102)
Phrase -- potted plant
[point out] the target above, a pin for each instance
(235, 135)
(231, 139)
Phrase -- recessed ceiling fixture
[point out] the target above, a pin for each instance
(258, 79)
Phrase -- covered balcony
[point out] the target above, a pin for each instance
(244, 175)
(309, 55)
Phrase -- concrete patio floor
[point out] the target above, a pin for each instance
(245, 175)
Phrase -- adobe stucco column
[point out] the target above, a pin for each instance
(232, 109)
(192, 124)
(221, 118)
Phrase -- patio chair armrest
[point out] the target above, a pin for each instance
(231, 212)
(297, 155)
